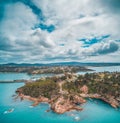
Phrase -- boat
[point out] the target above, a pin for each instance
(77, 118)
(31, 106)
(9, 111)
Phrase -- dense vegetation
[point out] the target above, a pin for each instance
(42, 69)
(105, 83)
(46, 88)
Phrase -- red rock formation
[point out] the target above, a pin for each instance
(62, 105)
(78, 99)
(84, 89)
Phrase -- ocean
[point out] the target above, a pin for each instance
(95, 111)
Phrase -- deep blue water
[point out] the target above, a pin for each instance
(95, 111)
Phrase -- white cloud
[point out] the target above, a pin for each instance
(102, 48)
(18, 18)
(73, 20)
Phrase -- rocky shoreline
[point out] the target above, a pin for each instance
(61, 105)
(66, 93)
(111, 101)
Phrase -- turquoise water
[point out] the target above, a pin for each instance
(102, 69)
(17, 76)
(95, 111)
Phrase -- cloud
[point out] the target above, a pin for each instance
(16, 25)
(103, 48)
(112, 5)
(65, 30)
(4, 43)
(111, 47)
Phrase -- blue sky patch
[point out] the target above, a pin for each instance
(89, 42)
(49, 28)
(62, 44)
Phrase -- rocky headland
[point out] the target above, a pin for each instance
(68, 92)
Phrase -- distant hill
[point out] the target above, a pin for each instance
(63, 64)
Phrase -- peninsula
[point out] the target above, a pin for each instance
(69, 91)
(43, 69)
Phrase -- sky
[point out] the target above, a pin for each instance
(44, 31)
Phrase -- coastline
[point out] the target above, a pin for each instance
(62, 105)
(59, 108)
(68, 92)
(56, 107)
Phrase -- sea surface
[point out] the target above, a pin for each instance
(95, 111)
(102, 69)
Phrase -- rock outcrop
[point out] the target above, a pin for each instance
(64, 95)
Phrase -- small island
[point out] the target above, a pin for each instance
(69, 91)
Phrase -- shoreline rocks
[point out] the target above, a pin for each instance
(62, 105)
(65, 93)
